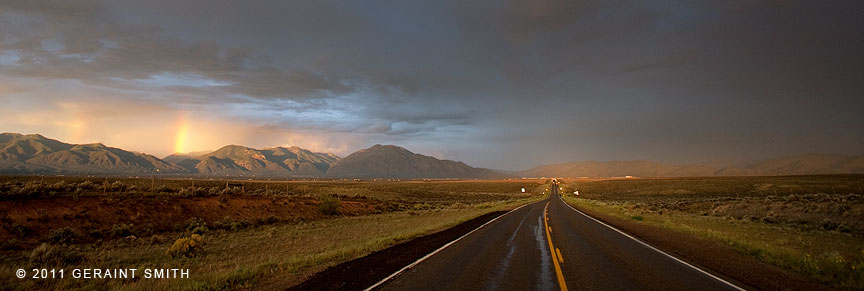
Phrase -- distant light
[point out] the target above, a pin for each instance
(182, 135)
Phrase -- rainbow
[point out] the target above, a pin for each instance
(182, 135)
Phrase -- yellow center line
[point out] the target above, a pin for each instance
(561, 283)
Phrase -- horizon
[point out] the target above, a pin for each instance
(426, 145)
(507, 86)
(563, 162)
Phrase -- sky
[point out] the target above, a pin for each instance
(498, 84)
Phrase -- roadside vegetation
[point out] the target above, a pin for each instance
(234, 234)
(813, 225)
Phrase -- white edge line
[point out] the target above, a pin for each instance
(439, 249)
(657, 250)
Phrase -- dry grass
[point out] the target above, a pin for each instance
(16, 188)
(31, 207)
(237, 259)
(816, 234)
(284, 253)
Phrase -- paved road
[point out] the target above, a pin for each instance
(513, 253)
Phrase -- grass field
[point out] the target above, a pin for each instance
(813, 225)
(254, 233)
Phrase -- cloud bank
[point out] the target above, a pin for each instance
(503, 84)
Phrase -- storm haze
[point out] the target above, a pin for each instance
(497, 84)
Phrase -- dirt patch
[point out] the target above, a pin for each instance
(363, 272)
(93, 218)
(714, 257)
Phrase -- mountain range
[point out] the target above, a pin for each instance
(36, 154)
(234, 160)
(806, 164)
(396, 162)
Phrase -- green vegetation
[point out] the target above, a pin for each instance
(790, 222)
(329, 205)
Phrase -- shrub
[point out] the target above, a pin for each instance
(200, 230)
(27, 189)
(637, 217)
(187, 247)
(195, 223)
(426, 206)
(117, 186)
(844, 228)
(122, 230)
(156, 239)
(223, 198)
(193, 192)
(146, 230)
(63, 186)
(11, 244)
(329, 205)
(18, 230)
(232, 191)
(229, 223)
(47, 255)
(96, 234)
(87, 185)
(161, 189)
(267, 221)
(390, 206)
(827, 224)
(63, 235)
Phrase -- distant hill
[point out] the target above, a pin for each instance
(234, 160)
(34, 153)
(808, 164)
(177, 157)
(388, 161)
(617, 169)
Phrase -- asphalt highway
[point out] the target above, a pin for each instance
(548, 245)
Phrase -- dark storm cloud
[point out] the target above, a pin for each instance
(505, 84)
(72, 40)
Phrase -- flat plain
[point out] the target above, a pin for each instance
(243, 234)
(252, 233)
(811, 225)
